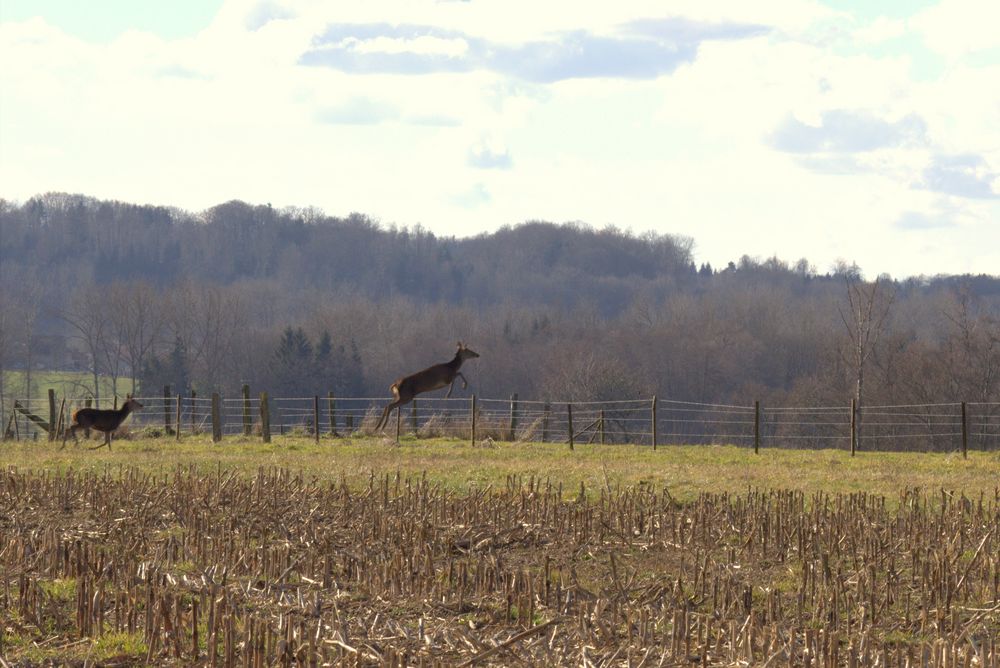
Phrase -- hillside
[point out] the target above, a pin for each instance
(298, 301)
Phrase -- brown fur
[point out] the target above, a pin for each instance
(432, 378)
(105, 420)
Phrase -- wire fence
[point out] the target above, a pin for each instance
(940, 427)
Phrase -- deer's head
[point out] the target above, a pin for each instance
(466, 353)
(131, 404)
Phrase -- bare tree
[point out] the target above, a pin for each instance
(865, 320)
(138, 317)
(29, 321)
(209, 321)
(972, 349)
(87, 316)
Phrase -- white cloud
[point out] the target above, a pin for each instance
(424, 45)
(957, 28)
(490, 155)
(733, 123)
(882, 29)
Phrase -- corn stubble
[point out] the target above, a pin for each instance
(222, 569)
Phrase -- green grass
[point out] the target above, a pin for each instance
(65, 383)
(685, 471)
(63, 589)
(118, 645)
(118, 648)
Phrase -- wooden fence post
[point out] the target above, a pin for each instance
(472, 411)
(265, 418)
(569, 423)
(247, 422)
(316, 416)
(180, 403)
(167, 427)
(854, 426)
(194, 403)
(756, 427)
(413, 415)
(350, 424)
(545, 421)
(602, 426)
(965, 433)
(331, 406)
(52, 414)
(216, 419)
(512, 431)
(399, 420)
(653, 419)
(61, 426)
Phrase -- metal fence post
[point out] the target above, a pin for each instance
(167, 428)
(854, 426)
(756, 427)
(512, 430)
(653, 419)
(965, 433)
(265, 418)
(472, 409)
(180, 403)
(52, 414)
(216, 418)
(316, 416)
(569, 424)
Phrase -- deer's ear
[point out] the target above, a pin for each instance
(460, 346)
(128, 397)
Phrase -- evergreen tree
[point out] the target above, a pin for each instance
(324, 370)
(178, 367)
(291, 367)
(171, 370)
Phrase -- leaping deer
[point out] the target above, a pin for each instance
(431, 378)
(106, 420)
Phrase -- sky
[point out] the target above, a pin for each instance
(850, 130)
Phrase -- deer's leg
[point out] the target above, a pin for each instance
(384, 420)
(73, 428)
(450, 388)
(385, 411)
(464, 383)
(107, 442)
(66, 434)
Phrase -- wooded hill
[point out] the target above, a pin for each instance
(294, 300)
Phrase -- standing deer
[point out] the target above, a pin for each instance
(106, 420)
(431, 378)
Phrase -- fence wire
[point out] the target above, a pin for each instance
(922, 427)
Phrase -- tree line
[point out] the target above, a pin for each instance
(299, 303)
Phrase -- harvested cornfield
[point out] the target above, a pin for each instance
(222, 569)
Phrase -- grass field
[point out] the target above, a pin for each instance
(365, 552)
(685, 471)
(65, 383)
